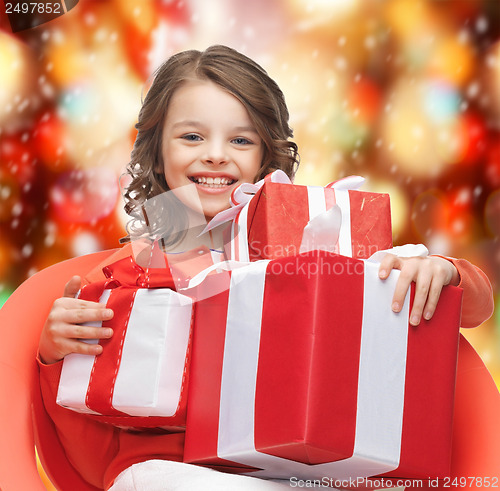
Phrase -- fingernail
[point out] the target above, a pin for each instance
(395, 307)
(108, 313)
(414, 321)
(109, 332)
(382, 273)
(427, 316)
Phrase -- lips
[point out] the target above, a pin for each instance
(213, 182)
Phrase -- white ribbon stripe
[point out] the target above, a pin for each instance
(239, 236)
(316, 201)
(344, 203)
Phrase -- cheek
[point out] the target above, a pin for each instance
(254, 166)
(173, 178)
(171, 174)
(171, 167)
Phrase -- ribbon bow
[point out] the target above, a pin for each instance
(128, 274)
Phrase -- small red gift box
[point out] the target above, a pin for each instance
(302, 369)
(141, 378)
(272, 223)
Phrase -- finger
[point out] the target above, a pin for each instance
(422, 286)
(388, 263)
(86, 332)
(79, 316)
(58, 342)
(76, 303)
(433, 298)
(407, 275)
(87, 304)
(72, 286)
(84, 348)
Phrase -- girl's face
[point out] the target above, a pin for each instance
(209, 141)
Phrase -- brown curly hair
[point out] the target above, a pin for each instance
(235, 73)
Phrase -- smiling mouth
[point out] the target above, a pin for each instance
(212, 182)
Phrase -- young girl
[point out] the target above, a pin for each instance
(211, 121)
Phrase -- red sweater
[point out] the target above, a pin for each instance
(100, 452)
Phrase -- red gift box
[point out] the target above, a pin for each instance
(302, 369)
(271, 224)
(141, 377)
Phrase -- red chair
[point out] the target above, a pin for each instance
(476, 426)
(23, 420)
(476, 423)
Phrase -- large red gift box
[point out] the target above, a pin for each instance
(141, 377)
(302, 369)
(272, 223)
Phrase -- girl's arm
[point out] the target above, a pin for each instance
(430, 274)
(477, 301)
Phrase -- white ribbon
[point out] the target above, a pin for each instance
(342, 188)
(380, 385)
(347, 183)
(239, 236)
(322, 232)
(330, 231)
(221, 266)
(407, 250)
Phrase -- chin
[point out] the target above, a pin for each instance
(211, 211)
(210, 214)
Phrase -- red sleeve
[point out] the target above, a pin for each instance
(477, 302)
(89, 445)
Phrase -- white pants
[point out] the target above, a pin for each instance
(165, 475)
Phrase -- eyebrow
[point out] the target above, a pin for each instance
(245, 128)
(190, 122)
(187, 123)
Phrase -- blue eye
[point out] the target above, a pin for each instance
(192, 137)
(242, 141)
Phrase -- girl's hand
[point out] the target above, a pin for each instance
(62, 331)
(429, 273)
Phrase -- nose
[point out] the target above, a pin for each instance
(215, 153)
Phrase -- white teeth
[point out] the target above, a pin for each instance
(213, 181)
